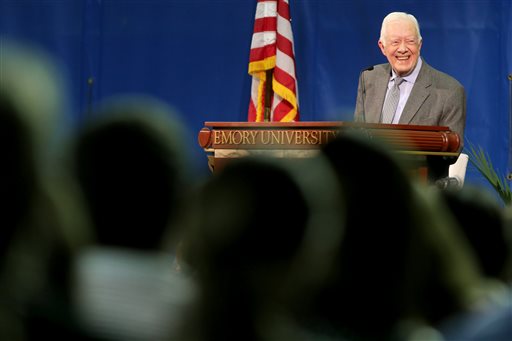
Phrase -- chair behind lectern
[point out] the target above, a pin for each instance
(457, 170)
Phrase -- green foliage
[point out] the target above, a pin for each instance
(481, 160)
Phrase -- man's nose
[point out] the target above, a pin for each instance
(402, 47)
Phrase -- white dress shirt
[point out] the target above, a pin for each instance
(405, 89)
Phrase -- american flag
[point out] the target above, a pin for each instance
(272, 54)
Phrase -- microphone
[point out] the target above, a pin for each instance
(449, 183)
(90, 85)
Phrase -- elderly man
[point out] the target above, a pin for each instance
(407, 90)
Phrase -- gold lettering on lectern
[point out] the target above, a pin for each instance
(253, 135)
(220, 137)
(265, 137)
(289, 136)
(235, 137)
(313, 137)
(298, 137)
(273, 137)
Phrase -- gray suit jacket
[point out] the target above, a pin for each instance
(436, 99)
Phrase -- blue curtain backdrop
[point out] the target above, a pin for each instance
(194, 53)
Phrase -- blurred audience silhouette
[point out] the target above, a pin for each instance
(482, 219)
(131, 165)
(43, 225)
(488, 228)
(401, 266)
(260, 235)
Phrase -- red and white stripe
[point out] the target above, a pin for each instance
(272, 49)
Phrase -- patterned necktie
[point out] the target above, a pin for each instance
(391, 102)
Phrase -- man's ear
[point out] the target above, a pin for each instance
(381, 46)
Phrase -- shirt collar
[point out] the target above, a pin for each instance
(411, 78)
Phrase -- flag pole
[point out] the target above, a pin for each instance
(268, 95)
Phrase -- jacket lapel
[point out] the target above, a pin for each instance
(419, 94)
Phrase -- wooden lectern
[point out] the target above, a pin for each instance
(429, 150)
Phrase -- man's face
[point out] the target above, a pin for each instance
(401, 46)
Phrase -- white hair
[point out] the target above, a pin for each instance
(399, 16)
